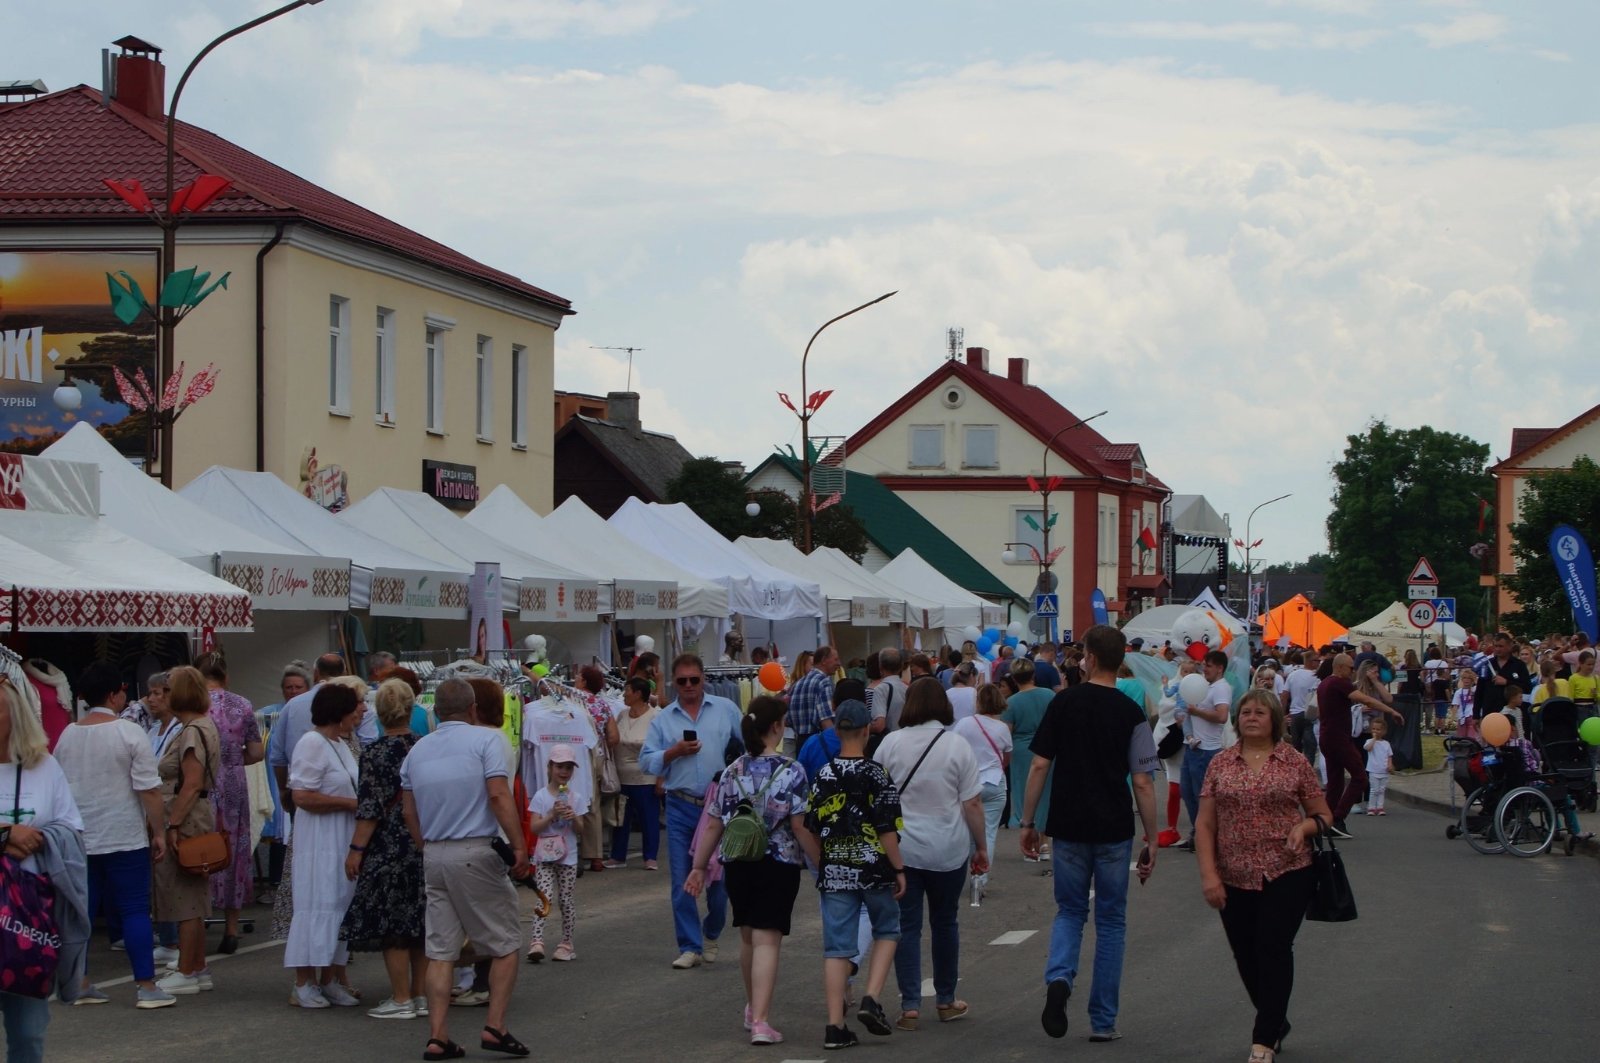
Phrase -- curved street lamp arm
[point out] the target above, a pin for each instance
(825, 324)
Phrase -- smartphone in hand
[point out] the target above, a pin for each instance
(1144, 864)
(691, 736)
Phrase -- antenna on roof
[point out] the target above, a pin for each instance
(955, 341)
(630, 351)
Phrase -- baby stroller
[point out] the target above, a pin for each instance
(1555, 733)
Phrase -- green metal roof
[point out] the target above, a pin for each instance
(893, 524)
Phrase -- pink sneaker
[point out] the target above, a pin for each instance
(1381, 812)
(762, 1034)
(747, 1023)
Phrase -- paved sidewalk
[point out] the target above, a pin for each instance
(1431, 791)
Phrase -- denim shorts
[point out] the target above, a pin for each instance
(839, 919)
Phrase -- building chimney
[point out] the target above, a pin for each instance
(622, 408)
(978, 358)
(1017, 370)
(138, 80)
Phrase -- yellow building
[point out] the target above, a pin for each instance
(1533, 451)
(353, 352)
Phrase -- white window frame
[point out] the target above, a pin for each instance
(433, 368)
(519, 397)
(966, 446)
(339, 355)
(483, 370)
(936, 431)
(383, 411)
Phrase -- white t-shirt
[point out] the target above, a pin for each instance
(1463, 702)
(1378, 757)
(46, 797)
(106, 764)
(963, 702)
(935, 836)
(1302, 687)
(988, 738)
(542, 802)
(1208, 733)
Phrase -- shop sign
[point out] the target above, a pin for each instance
(326, 485)
(638, 599)
(276, 581)
(450, 484)
(871, 612)
(557, 600)
(485, 630)
(424, 595)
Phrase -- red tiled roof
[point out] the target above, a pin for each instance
(55, 149)
(1523, 438)
(1031, 407)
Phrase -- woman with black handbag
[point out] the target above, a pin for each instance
(1252, 838)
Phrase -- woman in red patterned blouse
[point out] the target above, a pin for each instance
(1252, 840)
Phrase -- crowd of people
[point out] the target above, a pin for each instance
(882, 781)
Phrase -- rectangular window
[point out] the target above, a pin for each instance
(519, 397)
(485, 377)
(339, 356)
(433, 370)
(927, 446)
(383, 373)
(981, 447)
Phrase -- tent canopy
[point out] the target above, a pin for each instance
(755, 588)
(1391, 632)
(1207, 599)
(851, 599)
(1301, 622)
(139, 506)
(278, 512)
(954, 606)
(1154, 625)
(588, 535)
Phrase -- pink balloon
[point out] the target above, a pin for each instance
(1496, 728)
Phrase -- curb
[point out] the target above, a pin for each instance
(1429, 804)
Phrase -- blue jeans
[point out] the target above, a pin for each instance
(1195, 762)
(26, 1019)
(841, 920)
(122, 881)
(943, 891)
(1077, 865)
(682, 818)
(644, 806)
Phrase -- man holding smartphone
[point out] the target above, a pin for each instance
(1094, 738)
(685, 748)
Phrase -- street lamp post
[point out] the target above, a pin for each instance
(169, 219)
(1250, 544)
(805, 412)
(1045, 557)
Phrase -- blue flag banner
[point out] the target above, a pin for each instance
(1575, 568)
(1097, 605)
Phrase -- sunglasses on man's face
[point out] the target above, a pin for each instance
(687, 680)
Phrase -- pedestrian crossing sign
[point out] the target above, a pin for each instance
(1047, 604)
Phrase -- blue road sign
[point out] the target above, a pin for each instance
(1444, 610)
(1047, 604)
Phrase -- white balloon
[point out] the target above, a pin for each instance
(1192, 689)
(1015, 629)
(971, 633)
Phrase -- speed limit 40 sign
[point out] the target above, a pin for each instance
(1422, 614)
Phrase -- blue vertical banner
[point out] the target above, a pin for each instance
(1097, 605)
(1575, 568)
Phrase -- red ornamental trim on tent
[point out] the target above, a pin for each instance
(453, 594)
(67, 610)
(330, 582)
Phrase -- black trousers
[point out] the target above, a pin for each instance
(1261, 925)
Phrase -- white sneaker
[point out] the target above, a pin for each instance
(308, 996)
(336, 994)
(164, 955)
(393, 1009)
(204, 974)
(179, 985)
(708, 952)
(685, 961)
(420, 1005)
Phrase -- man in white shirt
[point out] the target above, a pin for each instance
(1302, 685)
(889, 696)
(1208, 721)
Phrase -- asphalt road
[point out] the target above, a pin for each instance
(1456, 956)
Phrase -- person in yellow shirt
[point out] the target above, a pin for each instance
(1550, 686)
(1584, 685)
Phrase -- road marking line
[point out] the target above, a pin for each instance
(160, 972)
(1013, 937)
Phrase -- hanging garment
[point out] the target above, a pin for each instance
(553, 721)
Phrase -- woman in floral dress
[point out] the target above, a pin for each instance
(235, 719)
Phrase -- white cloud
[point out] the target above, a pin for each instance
(1473, 27)
(1266, 36)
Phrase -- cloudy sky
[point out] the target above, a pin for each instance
(1245, 227)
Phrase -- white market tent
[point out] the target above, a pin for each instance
(1154, 625)
(278, 512)
(841, 587)
(954, 606)
(587, 533)
(1391, 632)
(792, 607)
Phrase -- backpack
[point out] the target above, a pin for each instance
(744, 838)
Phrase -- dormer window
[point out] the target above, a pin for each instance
(1138, 469)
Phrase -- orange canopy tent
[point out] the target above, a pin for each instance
(1301, 622)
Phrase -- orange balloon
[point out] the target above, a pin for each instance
(771, 676)
(1496, 728)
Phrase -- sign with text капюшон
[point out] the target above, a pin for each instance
(450, 484)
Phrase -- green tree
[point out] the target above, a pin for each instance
(1401, 494)
(837, 526)
(715, 492)
(1568, 496)
(718, 496)
(1315, 565)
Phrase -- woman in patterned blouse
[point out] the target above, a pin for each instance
(1252, 840)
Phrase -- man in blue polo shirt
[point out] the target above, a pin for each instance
(685, 748)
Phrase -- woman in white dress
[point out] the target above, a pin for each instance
(322, 778)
